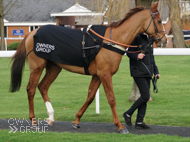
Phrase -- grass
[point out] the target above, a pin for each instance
(80, 137)
(68, 93)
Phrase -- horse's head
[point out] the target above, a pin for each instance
(154, 27)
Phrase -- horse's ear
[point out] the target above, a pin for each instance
(154, 5)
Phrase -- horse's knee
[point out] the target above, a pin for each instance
(112, 102)
(30, 92)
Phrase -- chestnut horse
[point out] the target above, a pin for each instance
(102, 67)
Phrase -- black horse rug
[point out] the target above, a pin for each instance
(64, 45)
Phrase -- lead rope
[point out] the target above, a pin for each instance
(111, 40)
(154, 80)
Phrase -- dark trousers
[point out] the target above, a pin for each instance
(143, 84)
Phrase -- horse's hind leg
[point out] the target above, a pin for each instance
(93, 87)
(52, 71)
(36, 68)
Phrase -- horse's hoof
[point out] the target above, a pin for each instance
(76, 126)
(124, 131)
(50, 122)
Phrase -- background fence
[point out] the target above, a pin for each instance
(9, 39)
(157, 51)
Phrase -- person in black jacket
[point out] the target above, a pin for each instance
(142, 67)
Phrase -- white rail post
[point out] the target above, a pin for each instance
(97, 102)
(5, 44)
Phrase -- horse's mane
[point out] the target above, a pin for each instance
(129, 14)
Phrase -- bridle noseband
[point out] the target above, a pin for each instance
(155, 27)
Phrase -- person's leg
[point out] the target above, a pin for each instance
(145, 95)
(144, 91)
(141, 113)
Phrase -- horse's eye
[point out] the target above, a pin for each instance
(160, 21)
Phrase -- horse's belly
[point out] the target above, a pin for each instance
(71, 68)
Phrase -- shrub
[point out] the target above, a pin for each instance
(13, 46)
(188, 45)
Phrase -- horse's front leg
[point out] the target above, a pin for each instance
(93, 87)
(106, 80)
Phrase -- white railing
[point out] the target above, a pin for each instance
(171, 51)
(173, 36)
(19, 38)
(9, 53)
(157, 51)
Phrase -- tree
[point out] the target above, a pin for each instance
(174, 16)
(1, 24)
(3, 11)
(145, 3)
(117, 9)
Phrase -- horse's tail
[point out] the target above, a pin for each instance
(17, 66)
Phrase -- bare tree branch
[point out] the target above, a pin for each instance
(7, 5)
(11, 6)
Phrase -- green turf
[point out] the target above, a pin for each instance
(68, 93)
(5, 136)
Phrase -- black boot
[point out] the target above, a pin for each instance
(127, 119)
(141, 125)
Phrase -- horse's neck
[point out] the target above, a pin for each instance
(127, 31)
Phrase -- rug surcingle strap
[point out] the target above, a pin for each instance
(110, 47)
